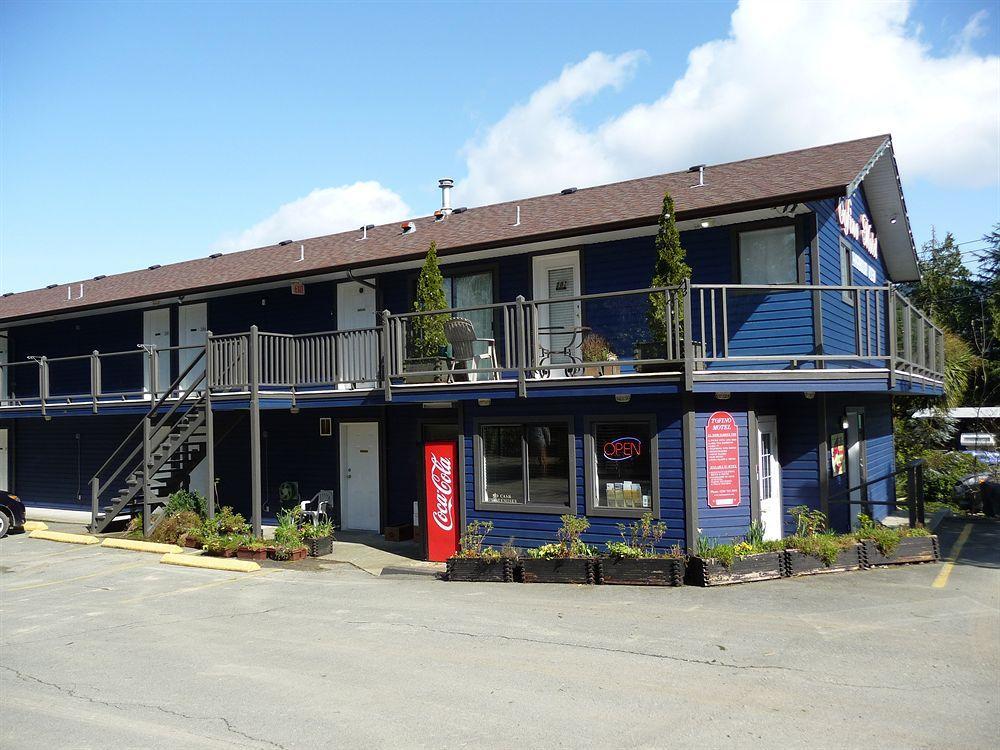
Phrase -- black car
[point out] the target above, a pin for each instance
(11, 513)
(978, 493)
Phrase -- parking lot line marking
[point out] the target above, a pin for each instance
(199, 587)
(43, 584)
(956, 549)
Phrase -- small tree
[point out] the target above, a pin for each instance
(427, 331)
(670, 269)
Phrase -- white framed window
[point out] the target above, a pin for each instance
(767, 256)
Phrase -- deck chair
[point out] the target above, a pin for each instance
(461, 334)
(320, 508)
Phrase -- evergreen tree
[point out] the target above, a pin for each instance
(427, 331)
(946, 289)
(670, 269)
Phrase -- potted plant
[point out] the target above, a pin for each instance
(318, 538)
(251, 548)
(670, 270)
(567, 561)
(474, 562)
(595, 348)
(815, 549)
(750, 559)
(427, 345)
(881, 545)
(288, 540)
(637, 559)
(217, 545)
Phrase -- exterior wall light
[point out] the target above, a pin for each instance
(810, 394)
(723, 395)
(623, 398)
(483, 401)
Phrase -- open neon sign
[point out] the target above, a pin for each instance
(622, 449)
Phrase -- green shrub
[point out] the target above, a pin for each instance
(187, 501)
(171, 529)
(825, 546)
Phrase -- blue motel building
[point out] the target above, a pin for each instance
(286, 372)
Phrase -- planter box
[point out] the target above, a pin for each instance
(439, 366)
(477, 569)
(222, 553)
(191, 543)
(319, 546)
(651, 350)
(294, 555)
(800, 564)
(763, 567)
(911, 549)
(558, 570)
(643, 571)
(596, 371)
(245, 553)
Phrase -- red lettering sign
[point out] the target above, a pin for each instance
(440, 462)
(622, 449)
(722, 460)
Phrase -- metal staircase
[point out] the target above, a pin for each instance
(159, 453)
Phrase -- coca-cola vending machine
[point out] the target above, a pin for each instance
(441, 499)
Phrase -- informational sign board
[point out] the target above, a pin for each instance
(837, 454)
(722, 460)
(441, 481)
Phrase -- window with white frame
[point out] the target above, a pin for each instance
(767, 256)
(525, 465)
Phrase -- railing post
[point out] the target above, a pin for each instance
(688, 337)
(147, 461)
(891, 334)
(388, 346)
(43, 382)
(95, 501)
(911, 492)
(255, 489)
(95, 378)
(152, 383)
(209, 424)
(521, 346)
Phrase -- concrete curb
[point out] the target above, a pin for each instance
(211, 563)
(59, 536)
(136, 545)
(34, 526)
(938, 517)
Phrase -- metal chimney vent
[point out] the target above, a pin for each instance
(446, 184)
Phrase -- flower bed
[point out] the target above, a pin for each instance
(638, 559)
(475, 563)
(713, 571)
(914, 549)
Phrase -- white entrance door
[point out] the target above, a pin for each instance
(357, 355)
(192, 320)
(856, 471)
(559, 334)
(156, 332)
(359, 484)
(4, 460)
(770, 477)
(4, 379)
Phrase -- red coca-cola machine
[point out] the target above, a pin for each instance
(440, 517)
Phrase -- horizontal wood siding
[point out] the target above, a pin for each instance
(798, 454)
(276, 310)
(722, 524)
(534, 529)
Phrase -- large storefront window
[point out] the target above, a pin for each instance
(621, 477)
(526, 465)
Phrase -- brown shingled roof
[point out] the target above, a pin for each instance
(739, 185)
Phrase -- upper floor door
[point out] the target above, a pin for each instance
(156, 333)
(355, 305)
(192, 320)
(556, 281)
(356, 355)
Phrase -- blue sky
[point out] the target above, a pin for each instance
(141, 133)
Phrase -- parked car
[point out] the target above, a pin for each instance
(11, 513)
(978, 493)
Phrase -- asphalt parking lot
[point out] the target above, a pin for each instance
(106, 648)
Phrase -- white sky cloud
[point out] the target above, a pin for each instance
(789, 75)
(323, 211)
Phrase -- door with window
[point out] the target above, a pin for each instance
(769, 477)
(360, 496)
(857, 470)
(560, 331)
(473, 289)
(156, 333)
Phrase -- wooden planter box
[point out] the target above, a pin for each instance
(245, 553)
(439, 366)
(557, 570)
(763, 567)
(294, 556)
(800, 564)
(643, 571)
(911, 549)
(191, 543)
(319, 546)
(476, 569)
(222, 553)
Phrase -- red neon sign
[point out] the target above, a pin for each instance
(622, 449)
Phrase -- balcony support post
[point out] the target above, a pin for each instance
(95, 379)
(521, 347)
(387, 355)
(255, 488)
(687, 331)
(209, 425)
(891, 334)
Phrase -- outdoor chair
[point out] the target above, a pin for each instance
(320, 508)
(461, 334)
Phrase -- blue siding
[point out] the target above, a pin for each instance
(722, 523)
(275, 310)
(798, 453)
(610, 267)
(533, 529)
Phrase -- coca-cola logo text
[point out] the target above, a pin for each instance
(442, 478)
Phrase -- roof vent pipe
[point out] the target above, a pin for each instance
(364, 231)
(700, 169)
(446, 184)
